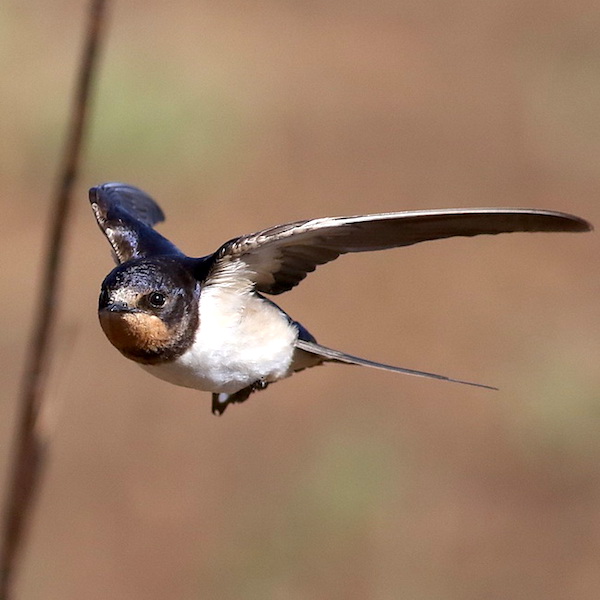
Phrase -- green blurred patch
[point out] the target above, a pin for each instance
(318, 535)
(561, 414)
(146, 113)
(353, 475)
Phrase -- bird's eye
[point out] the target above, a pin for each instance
(156, 299)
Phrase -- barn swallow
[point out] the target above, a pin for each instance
(203, 323)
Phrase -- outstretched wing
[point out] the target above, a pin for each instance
(277, 259)
(126, 215)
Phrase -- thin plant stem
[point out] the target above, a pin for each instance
(30, 451)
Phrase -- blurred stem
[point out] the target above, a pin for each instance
(30, 451)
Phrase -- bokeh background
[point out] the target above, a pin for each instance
(340, 483)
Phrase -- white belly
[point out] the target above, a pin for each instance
(241, 339)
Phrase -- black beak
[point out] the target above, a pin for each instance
(114, 307)
(117, 307)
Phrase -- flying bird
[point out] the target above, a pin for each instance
(204, 323)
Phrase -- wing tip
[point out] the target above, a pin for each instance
(129, 198)
(582, 224)
(572, 223)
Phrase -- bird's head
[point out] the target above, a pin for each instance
(148, 309)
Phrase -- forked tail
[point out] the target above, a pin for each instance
(336, 356)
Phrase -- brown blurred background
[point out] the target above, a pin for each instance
(340, 483)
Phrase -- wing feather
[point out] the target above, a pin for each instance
(278, 258)
(126, 215)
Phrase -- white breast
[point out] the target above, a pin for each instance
(241, 339)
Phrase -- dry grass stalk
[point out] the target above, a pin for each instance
(30, 451)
